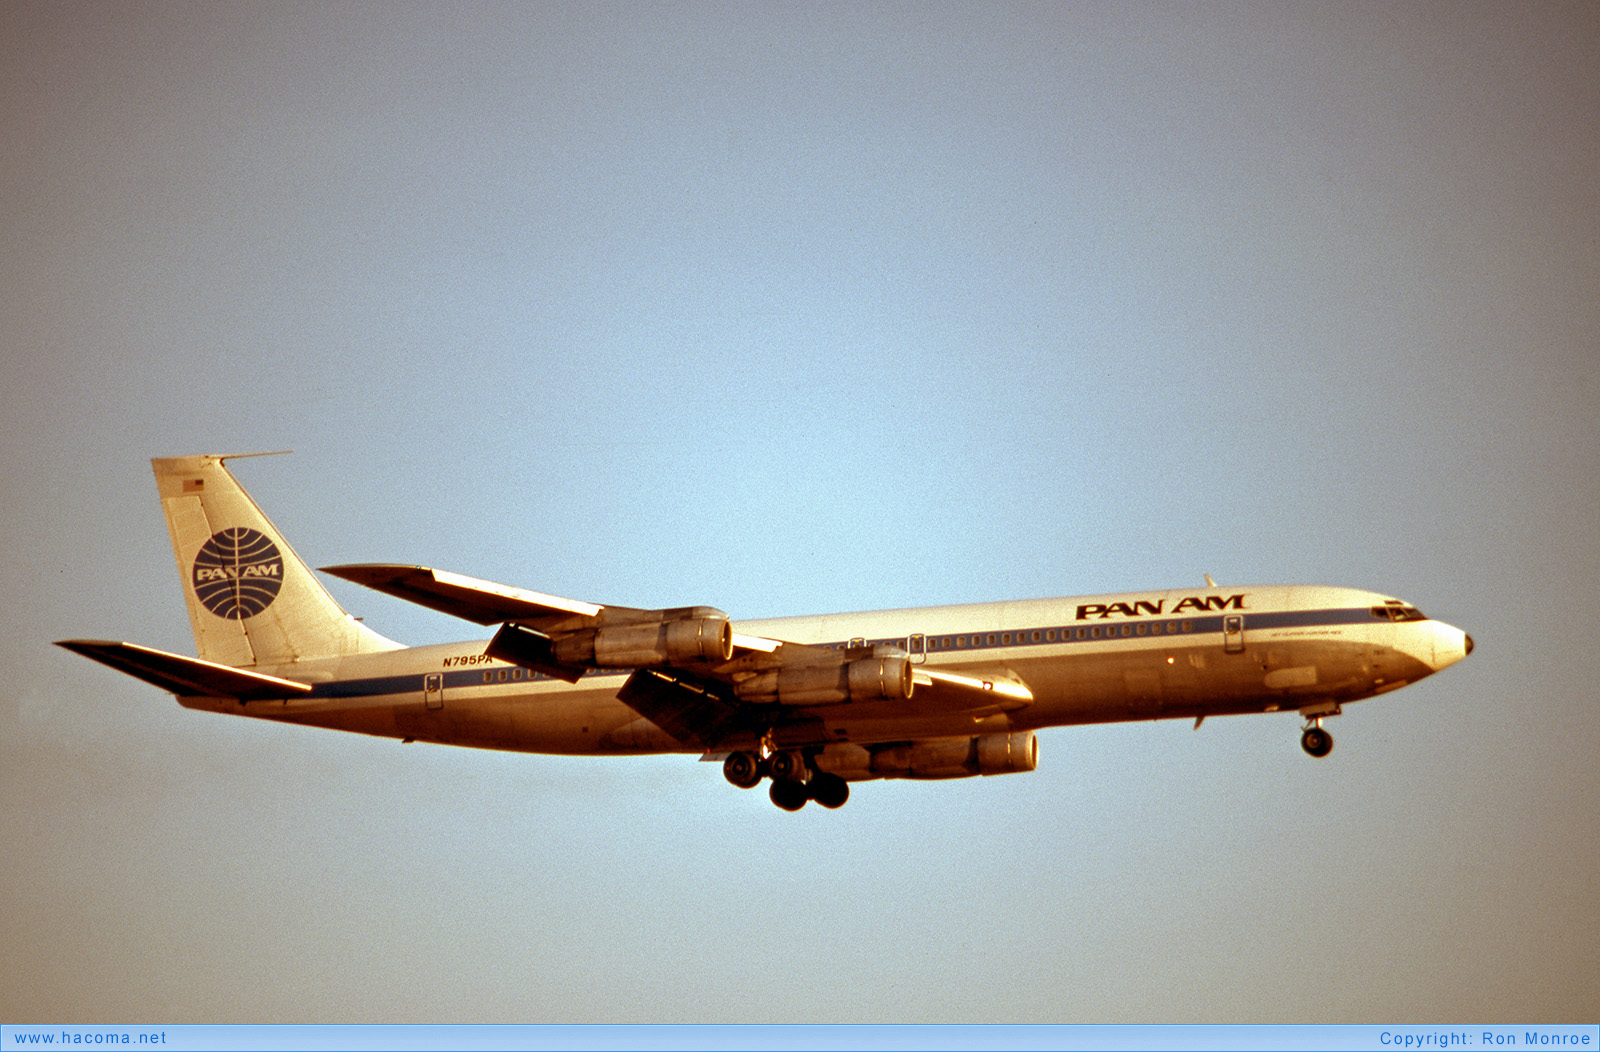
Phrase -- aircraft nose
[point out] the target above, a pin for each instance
(1450, 645)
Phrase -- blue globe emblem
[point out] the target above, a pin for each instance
(237, 573)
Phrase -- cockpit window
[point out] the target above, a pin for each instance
(1394, 610)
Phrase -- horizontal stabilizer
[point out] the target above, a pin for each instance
(485, 602)
(185, 676)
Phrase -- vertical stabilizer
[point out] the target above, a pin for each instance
(251, 600)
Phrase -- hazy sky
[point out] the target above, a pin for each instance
(785, 310)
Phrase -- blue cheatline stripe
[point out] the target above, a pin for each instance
(975, 642)
(1154, 627)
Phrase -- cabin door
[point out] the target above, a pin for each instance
(1233, 633)
(433, 690)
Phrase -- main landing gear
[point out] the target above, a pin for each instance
(794, 779)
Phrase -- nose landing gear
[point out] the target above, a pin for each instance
(1316, 741)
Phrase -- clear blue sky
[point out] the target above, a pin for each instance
(789, 309)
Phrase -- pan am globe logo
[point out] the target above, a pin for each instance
(238, 573)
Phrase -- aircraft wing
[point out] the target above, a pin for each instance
(693, 676)
(185, 676)
(485, 602)
(488, 603)
(705, 712)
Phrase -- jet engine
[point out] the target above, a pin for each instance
(703, 635)
(864, 679)
(1006, 753)
(933, 757)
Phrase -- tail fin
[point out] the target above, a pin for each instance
(251, 600)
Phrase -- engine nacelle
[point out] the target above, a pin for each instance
(865, 679)
(848, 760)
(687, 640)
(1007, 753)
(933, 757)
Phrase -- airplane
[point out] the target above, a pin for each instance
(811, 704)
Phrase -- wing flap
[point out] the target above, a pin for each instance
(690, 711)
(999, 689)
(184, 676)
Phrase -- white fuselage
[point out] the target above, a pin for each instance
(1094, 659)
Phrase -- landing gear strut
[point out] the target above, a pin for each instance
(1314, 740)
